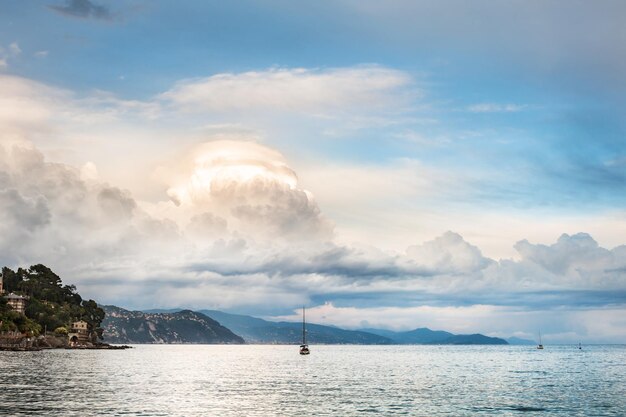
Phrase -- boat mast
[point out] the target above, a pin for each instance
(303, 328)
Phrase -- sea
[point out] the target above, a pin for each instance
(347, 380)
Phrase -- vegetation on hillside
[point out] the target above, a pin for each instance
(125, 326)
(51, 306)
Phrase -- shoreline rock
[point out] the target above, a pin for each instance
(26, 344)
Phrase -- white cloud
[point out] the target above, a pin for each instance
(26, 104)
(49, 213)
(252, 188)
(449, 253)
(298, 90)
(495, 108)
(578, 260)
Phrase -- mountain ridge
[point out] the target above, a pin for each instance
(186, 326)
(256, 330)
(426, 336)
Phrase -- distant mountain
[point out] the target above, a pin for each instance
(418, 336)
(425, 336)
(518, 341)
(472, 339)
(124, 326)
(255, 330)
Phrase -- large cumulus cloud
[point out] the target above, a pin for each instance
(576, 255)
(50, 213)
(449, 253)
(250, 190)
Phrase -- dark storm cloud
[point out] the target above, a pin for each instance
(336, 261)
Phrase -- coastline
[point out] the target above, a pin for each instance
(24, 343)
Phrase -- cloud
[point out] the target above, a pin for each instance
(116, 203)
(253, 188)
(28, 105)
(294, 90)
(579, 258)
(49, 212)
(207, 224)
(328, 264)
(22, 214)
(449, 253)
(83, 9)
(495, 108)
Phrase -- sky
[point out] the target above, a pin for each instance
(445, 164)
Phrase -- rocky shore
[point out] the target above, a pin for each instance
(33, 344)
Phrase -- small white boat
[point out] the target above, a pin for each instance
(539, 346)
(304, 348)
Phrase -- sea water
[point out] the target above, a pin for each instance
(249, 380)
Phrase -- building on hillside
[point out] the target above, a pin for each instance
(79, 334)
(17, 302)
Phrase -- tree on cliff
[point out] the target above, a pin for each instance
(51, 304)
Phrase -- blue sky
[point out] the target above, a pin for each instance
(373, 127)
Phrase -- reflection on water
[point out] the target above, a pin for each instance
(206, 380)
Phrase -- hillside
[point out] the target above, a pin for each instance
(255, 330)
(519, 341)
(425, 336)
(472, 339)
(48, 305)
(124, 326)
(418, 336)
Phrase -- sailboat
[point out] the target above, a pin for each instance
(540, 346)
(304, 348)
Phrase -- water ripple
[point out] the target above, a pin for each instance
(333, 381)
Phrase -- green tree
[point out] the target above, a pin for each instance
(93, 315)
(10, 280)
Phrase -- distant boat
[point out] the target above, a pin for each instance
(580, 346)
(540, 346)
(304, 348)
